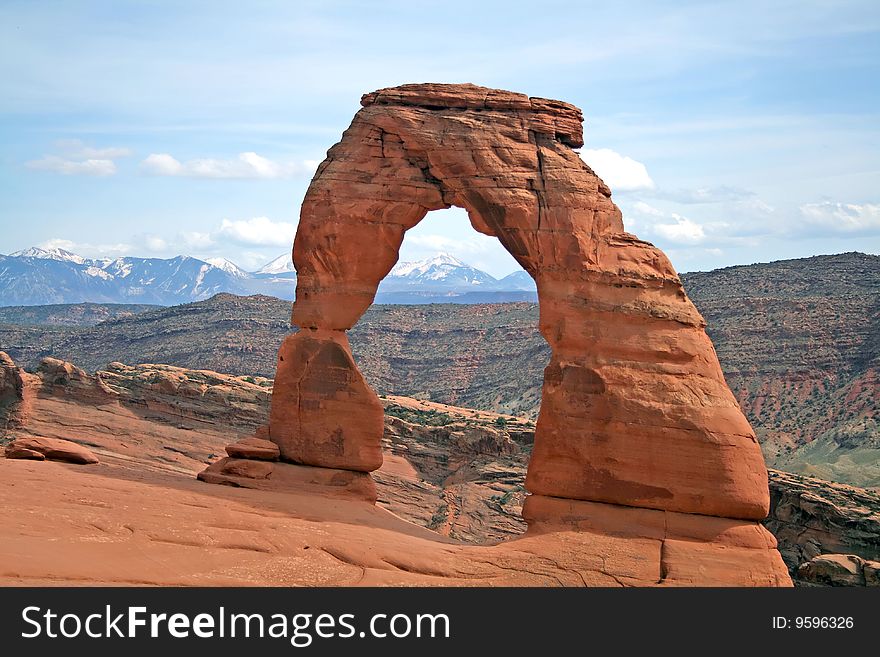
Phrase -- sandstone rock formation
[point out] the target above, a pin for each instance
(13, 405)
(287, 477)
(457, 471)
(635, 409)
(17, 452)
(811, 518)
(644, 470)
(38, 448)
(840, 570)
(252, 447)
(161, 414)
(326, 414)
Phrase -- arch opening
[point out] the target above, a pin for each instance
(459, 382)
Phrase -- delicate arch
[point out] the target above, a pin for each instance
(635, 409)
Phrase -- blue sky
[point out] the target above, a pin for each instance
(730, 132)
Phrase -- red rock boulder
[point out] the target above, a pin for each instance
(53, 449)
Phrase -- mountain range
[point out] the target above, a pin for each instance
(37, 276)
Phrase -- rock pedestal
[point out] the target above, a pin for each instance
(323, 412)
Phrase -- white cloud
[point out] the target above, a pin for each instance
(620, 173)
(253, 260)
(154, 243)
(729, 223)
(87, 249)
(259, 231)
(643, 208)
(226, 240)
(196, 240)
(161, 164)
(683, 231)
(66, 167)
(76, 149)
(845, 218)
(246, 165)
(474, 244)
(78, 159)
(669, 226)
(57, 243)
(720, 194)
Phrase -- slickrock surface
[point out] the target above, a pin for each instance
(113, 524)
(634, 411)
(141, 517)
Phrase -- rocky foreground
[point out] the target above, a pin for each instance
(451, 483)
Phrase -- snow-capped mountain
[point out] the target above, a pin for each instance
(518, 280)
(439, 272)
(44, 276)
(228, 266)
(440, 262)
(283, 264)
(49, 254)
(56, 276)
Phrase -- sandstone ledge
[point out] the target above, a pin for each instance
(252, 447)
(288, 477)
(38, 448)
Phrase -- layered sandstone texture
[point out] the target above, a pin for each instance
(635, 410)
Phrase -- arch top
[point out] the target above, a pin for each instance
(555, 118)
(506, 158)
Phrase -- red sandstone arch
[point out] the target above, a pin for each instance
(635, 410)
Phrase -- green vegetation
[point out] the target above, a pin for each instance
(429, 418)
(440, 516)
